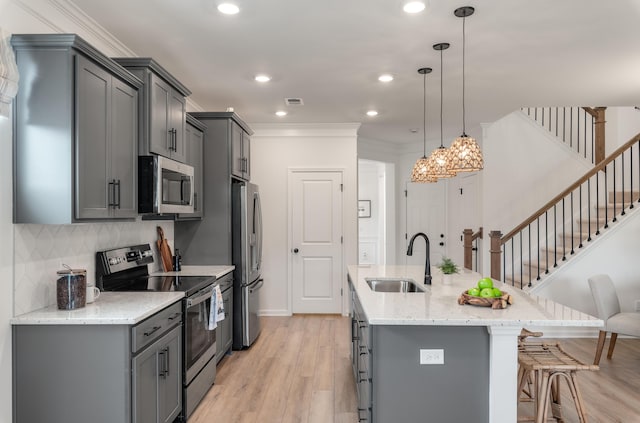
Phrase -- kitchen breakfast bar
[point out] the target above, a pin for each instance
(419, 354)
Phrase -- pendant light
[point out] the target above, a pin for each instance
(464, 154)
(419, 172)
(438, 163)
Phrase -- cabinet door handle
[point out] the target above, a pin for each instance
(175, 316)
(111, 193)
(152, 331)
(161, 363)
(116, 184)
(195, 201)
(166, 359)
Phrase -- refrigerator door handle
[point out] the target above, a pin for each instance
(258, 227)
(257, 287)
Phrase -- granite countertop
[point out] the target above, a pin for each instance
(111, 308)
(438, 304)
(193, 270)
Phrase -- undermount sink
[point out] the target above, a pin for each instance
(393, 285)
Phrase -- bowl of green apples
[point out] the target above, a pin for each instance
(484, 294)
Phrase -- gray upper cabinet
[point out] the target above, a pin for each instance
(240, 152)
(163, 108)
(194, 144)
(76, 133)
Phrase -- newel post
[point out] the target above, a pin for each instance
(468, 248)
(496, 251)
(599, 130)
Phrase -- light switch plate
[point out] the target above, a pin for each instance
(432, 356)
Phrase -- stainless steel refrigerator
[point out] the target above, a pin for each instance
(246, 226)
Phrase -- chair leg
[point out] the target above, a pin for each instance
(601, 338)
(542, 395)
(577, 397)
(612, 344)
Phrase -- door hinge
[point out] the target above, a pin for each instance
(341, 188)
(405, 193)
(341, 240)
(460, 191)
(341, 292)
(405, 236)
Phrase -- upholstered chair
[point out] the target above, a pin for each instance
(608, 306)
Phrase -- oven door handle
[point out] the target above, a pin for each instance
(200, 297)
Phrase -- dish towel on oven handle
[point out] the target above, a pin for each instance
(216, 313)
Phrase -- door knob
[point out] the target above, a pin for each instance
(442, 244)
(295, 251)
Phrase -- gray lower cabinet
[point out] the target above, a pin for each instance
(76, 133)
(224, 332)
(392, 385)
(163, 106)
(157, 380)
(194, 144)
(99, 373)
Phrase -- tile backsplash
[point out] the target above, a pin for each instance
(40, 250)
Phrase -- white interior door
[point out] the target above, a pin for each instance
(425, 208)
(316, 241)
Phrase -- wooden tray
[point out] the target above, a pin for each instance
(495, 303)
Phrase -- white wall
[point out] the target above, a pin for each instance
(524, 168)
(276, 148)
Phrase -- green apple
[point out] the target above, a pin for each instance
(474, 292)
(497, 293)
(486, 293)
(485, 283)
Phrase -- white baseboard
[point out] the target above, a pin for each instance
(274, 313)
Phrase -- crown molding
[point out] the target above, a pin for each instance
(305, 129)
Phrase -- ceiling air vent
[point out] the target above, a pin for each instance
(293, 101)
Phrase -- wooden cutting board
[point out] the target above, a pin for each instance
(165, 251)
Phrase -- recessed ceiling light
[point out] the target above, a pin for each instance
(263, 78)
(414, 6)
(228, 8)
(281, 113)
(385, 77)
(372, 113)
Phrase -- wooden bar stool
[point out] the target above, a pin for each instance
(527, 386)
(548, 363)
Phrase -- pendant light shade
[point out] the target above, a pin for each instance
(419, 171)
(465, 154)
(438, 163)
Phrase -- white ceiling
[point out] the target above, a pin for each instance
(330, 53)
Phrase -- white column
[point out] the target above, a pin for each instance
(503, 373)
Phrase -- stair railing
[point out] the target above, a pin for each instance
(573, 217)
(470, 245)
(580, 128)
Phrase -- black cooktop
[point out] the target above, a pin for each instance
(188, 284)
(126, 269)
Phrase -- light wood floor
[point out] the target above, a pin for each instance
(299, 370)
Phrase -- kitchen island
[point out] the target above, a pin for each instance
(474, 349)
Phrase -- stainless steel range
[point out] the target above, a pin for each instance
(126, 269)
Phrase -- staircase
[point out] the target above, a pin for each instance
(569, 242)
(576, 217)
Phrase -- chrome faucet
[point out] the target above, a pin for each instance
(427, 265)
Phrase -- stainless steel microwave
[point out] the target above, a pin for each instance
(164, 186)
